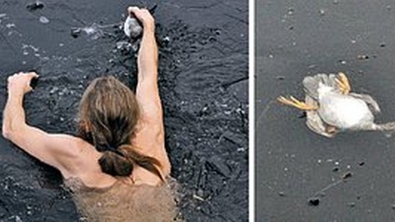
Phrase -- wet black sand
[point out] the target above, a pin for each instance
(299, 38)
(203, 82)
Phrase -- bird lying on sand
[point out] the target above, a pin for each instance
(331, 107)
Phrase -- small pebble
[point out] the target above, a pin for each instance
(280, 77)
(362, 57)
(35, 6)
(342, 62)
(314, 201)
(322, 12)
(75, 32)
(393, 206)
(281, 194)
(351, 204)
(291, 11)
(335, 169)
(382, 45)
(347, 175)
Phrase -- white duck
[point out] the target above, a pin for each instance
(330, 107)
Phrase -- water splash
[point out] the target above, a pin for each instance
(93, 31)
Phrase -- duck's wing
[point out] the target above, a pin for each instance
(372, 104)
(311, 83)
(314, 121)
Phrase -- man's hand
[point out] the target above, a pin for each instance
(144, 16)
(19, 83)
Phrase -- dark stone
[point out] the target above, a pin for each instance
(347, 175)
(314, 201)
(75, 32)
(35, 6)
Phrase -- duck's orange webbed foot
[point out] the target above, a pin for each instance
(343, 83)
(296, 103)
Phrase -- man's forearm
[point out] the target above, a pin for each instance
(148, 56)
(13, 115)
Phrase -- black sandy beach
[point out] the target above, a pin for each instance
(302, 176)
(203, 82)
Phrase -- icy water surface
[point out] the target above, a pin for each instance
(302, 176)
(203, 83)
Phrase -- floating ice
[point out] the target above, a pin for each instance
(90, 30)
(10, 25)
(43, 19)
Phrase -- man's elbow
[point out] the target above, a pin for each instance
(7, 133)
(10, 132)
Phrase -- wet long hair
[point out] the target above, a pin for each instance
(107, 118)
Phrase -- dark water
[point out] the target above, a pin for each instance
(299, 38)
(203, 83)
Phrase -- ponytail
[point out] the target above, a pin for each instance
(119, 162)
(115, 164)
